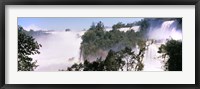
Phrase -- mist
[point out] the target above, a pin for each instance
(159, 32)
(164, 30)
(59, 50)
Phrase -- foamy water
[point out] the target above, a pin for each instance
(152, 59)
(62, 49)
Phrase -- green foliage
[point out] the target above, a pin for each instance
(96, 38)
(94, 66)
(144, 24)
(88, 66)
(122, 25)
(114, 61)
(26, 46)
(98, 26)
(118, 25)
(75, 67)
(173, 49)
(115, 41)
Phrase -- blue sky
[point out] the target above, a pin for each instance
(51, 23)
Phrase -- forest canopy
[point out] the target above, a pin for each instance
(119, 43)
(97, 38)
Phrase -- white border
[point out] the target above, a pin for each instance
(187, 76)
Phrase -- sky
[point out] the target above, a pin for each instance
(73, 23)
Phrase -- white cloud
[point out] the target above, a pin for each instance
(34, 27)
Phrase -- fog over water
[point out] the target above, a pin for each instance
(61, 49)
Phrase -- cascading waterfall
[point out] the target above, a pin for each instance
(61, 49)
(152, 59)
(167, 30)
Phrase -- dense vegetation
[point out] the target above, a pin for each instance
(123, 60)
(120, 44)
(172, 49)
(26, 46)
(97, 38)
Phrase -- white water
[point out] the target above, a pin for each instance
(152, 59)
(59, 50)
(166, 31)
(125, 29)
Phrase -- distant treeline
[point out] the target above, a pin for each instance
(33, 33)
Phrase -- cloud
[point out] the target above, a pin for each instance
(34, 28)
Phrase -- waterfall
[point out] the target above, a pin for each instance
(167, 30)
(62, 49)
(152, 59)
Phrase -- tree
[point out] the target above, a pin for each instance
(75, 67)
(92, 27)
(100, 26)
(111, 62)
(26, 46)
(114, 61)
(172, 49)
(96, 39)
(118, 25)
